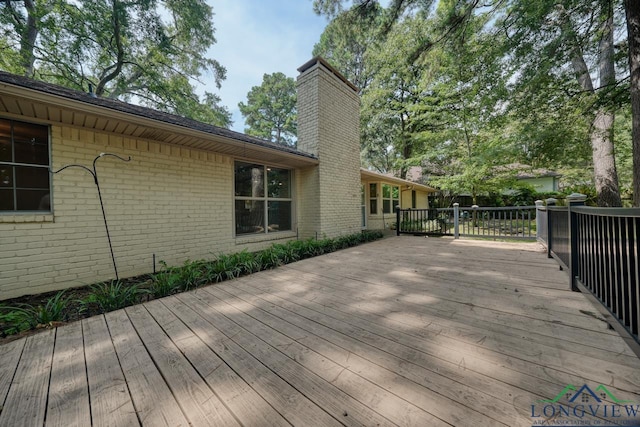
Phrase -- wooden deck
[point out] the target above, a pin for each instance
(406, 331)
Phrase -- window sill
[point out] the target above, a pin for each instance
(15, 218)
(257, 238)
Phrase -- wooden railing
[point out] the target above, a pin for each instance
(600, 248)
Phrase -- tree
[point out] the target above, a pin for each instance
(148, 51)
(632, 9)
(348, 41)
(567, 40)
(270, 111)
(572, 41)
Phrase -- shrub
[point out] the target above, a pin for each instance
(114, 295)
(225, 267)
(110, 296)
(165, 283)
(24, 316)
(248, 262)
(269, 258)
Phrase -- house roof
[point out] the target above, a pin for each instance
(22, 97)
(375, 176)
(527, 172)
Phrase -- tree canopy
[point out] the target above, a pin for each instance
(465, 88)
(147, 51)
(270, 111)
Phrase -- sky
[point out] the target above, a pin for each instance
(257, 37)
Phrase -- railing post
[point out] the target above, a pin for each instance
(397, 220)
(574, 200)
(456, 220)
(550, 202)
(539, 204)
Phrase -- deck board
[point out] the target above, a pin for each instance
(26, 402)
(276, 334)
(9, 358)
(250, 408)
(111, 403)
(69, 392)
(286, 399)
(198, 402)
(404, 331)
(152, 398)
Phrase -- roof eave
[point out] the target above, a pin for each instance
(58, 101)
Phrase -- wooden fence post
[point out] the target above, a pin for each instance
(573, 200)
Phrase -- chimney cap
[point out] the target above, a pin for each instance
(320, 60)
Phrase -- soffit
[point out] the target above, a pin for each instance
(23, 103)
(374, 176)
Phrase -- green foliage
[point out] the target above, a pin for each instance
(347, 42)
(147, 51)
(270, 111)
(112, 295)
(23, 316)
(247, 262)
(269, 258)
(225, 267)
(165, 283)
(463, 88)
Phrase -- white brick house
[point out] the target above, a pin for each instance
(190, 191)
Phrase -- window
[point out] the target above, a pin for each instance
(390, 198)
(24, 167)
(262, 196)
(413, 199)
(373, 198)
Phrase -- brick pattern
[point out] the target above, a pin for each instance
(171, 201)
(175, 202)
(328, 126)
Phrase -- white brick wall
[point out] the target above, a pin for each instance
(175, 202)
(328, 126)
(171, 201)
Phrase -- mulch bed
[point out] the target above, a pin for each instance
(73, 312)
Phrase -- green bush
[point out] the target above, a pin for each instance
(225, 267)
(247, 262)
(110, 296)
(24, 316)
(114, 295)
(165, 283)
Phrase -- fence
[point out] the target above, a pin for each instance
(600, 247)
(517, 222)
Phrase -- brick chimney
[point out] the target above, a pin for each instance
(328, 127)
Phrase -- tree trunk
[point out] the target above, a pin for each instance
(604, 164)
(632, 8)
(28, 39)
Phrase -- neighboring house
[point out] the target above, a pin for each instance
(541, 180)
(381, 193)
(190, 191)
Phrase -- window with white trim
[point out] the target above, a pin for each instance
(390, 198)
(25, 183)
(263, 199)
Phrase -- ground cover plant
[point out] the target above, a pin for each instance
(23, 315)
